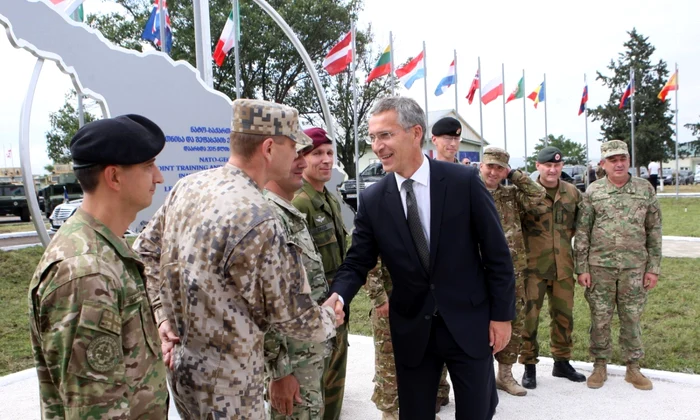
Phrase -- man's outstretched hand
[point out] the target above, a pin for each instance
(337, 306)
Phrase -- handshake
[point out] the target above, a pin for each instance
(334, 302)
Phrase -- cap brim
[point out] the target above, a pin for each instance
(615, 153)
(496, 162)
(304, 142)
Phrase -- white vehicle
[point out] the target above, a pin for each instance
(62, 212)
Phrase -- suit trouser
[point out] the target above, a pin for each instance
(472, 380)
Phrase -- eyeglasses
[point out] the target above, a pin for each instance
(451, 138)
(381, 136)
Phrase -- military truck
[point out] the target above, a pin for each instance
(13, 201)
(54, 195)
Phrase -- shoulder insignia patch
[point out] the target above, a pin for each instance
(103, 353)
(320, 218)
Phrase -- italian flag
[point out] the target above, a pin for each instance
(519, 91)
(225, 41)
(383, 66)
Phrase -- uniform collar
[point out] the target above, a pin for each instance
(119, 244)
(611, 188)
(283, 203)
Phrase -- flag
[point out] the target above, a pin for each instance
(446, 81)
(383, 66)
(518, 92)
(65, 195)
(628, 93)
(492, 90)
(538, 95)
(78, 15)
(473, 88)
(225, 43)
(412, 71)
(151, 32)
(340, 56)
(672, 84)
(584, 100)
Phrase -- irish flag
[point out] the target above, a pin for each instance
(412, 71)
(225, 41)
(340, 56)
(383, 66)
(672, 84)
(492, 90)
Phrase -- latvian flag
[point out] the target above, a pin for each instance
(340, 56)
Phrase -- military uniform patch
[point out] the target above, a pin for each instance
(320, 218)
(103, 353)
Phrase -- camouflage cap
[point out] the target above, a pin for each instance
(612, 148)
(497, 156)
(252, 116)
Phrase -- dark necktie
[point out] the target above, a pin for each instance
(415, 226)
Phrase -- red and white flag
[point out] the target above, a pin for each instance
(492, 90)
(472, 89)
(340, 56)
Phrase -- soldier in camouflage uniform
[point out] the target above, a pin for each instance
(225, 273)
(618, 260)
(93, 335)
(296, 367)
(548, 229)
(512, 202)
(323, 216)
(385, 395)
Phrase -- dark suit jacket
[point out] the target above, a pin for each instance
(471, 278)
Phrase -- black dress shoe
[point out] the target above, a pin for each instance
(530, 377)
(563, 369)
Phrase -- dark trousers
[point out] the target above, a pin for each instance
(472, 380)
(654, 179)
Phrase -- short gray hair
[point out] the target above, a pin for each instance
(408, 111)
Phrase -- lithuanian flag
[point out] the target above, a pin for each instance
(672, 84)
(383, 66)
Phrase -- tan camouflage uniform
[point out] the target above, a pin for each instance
(224, 274)
(283, 355)
(93, 335)
(548, 229)
(618, 239)
(512, 202)
(322, 212)
(385, 395)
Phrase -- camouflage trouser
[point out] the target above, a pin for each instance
(509, 354)
(334, 377)
(626, 288)
(310, 379)
(385, 395)
(561, 305)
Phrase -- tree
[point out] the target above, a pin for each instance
(652, 117)
(64, 124)
(574, 153)
(693, 147)
(49, 168)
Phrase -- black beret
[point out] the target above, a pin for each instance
(123, 140)
(447, 126)
(550, 154)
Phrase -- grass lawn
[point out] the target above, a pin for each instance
(19, 227)
(681, 217)
(671, 332)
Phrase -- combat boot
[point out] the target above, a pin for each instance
(635, 377)
(599, 375)
(563, 369)
(506, 382)
(390, 415)
(530, 377)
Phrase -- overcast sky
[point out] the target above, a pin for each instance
(562, 39)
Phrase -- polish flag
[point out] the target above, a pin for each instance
(492, 90)
(340, 56)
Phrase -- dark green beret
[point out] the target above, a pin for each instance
(123, 140)
(447, 126)
(550, 154)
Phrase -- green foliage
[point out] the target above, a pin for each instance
(652, 117)
(693, 147)
(574, 153)
(64, 124)
(49, 168)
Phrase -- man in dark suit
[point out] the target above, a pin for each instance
(439, 234)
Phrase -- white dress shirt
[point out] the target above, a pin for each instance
(421, 189)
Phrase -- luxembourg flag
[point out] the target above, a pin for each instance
(412, 71)
(629, 92)
(446, 81)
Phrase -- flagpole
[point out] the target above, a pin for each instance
(634, 164)
(456, 93)
(354, 116)
(525, 120)
(425, 88)
(81, 112)
(585, 115)
(677, 172)
(236, 56)
(481, 116)
(392, 76)
(161, 17)
(202, 40)
(546, 132)
(503, 81)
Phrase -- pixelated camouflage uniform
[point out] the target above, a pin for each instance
(599, 173)
(618, 239)
(325, 222)
(512, 202)
(385, 395)
(548, 229)
(93, 335)
(225, 274)
(287, 356)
